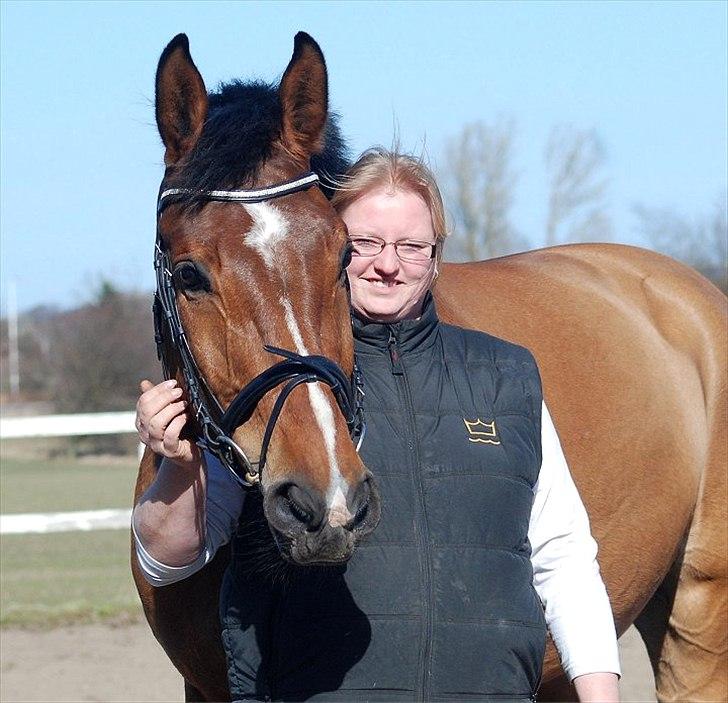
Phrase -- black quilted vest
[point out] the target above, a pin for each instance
(438, 603)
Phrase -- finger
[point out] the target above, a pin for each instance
(159, 422)
(141, 430)
(179, 449)
(171, 440)
(156, 398)
(146, 385)
(150, 402)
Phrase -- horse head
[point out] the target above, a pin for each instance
(266, 272)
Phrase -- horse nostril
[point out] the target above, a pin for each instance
(297, 506)
(365, 504)
(360, 514)
(300, 513)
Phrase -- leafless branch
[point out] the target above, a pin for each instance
(481, 182)
(573, 160)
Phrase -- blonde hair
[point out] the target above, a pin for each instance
(381, 167)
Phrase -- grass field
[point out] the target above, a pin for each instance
(69, 576)
(32, 486)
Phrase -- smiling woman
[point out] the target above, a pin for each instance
(392, 268)
(394, 214)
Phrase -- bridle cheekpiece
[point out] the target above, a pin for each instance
(217, 425)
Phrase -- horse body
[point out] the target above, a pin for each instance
(631, 346)
(632, 350)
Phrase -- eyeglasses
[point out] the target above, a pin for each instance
(410, 250)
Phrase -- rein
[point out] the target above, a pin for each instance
(217, 424)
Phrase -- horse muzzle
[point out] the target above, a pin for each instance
(308, 531)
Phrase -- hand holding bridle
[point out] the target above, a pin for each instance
(161, 413)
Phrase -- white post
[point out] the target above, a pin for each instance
(13, 355)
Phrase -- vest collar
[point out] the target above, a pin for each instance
(411, 335)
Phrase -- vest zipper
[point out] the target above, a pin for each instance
(394, 354)
(421, 528)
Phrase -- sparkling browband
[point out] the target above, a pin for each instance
(256, 195)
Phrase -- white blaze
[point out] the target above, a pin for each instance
(322, 410)
(339, 514)
(269, 227)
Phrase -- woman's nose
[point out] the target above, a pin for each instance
(387, 260)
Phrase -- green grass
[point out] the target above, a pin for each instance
(32, 486)
(66, 577)
(46, 580)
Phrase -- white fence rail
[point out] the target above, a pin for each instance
(81, 520)
(67, 425)
(76, 425)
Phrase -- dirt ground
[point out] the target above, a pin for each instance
(125, 663)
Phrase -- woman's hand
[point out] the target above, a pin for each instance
(161, 413)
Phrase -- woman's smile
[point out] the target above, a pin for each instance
(378, 283)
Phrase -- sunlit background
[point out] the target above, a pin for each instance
(545, 122)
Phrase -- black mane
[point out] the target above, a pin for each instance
(243, 121)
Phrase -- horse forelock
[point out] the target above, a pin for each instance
(243, 126)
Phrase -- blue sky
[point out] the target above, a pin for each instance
(81, 159)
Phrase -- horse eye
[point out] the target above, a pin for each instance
(190, 278)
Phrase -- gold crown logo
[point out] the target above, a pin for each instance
(487, 435)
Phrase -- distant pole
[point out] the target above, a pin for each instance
(13, 355)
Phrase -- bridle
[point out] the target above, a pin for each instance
(217, 424)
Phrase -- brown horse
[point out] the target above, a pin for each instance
(631, 346)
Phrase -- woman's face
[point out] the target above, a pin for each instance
(383, 287)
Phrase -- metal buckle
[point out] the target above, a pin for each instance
(229, 449)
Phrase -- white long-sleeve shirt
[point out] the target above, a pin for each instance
(565, 569)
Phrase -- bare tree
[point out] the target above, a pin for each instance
(702, 244)
(87, 359)
(574, 159)
(480, 180)
(102, 350)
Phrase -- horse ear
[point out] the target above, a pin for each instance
(181, 100)
(304, 97)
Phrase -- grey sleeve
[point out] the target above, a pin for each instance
(223, 505)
